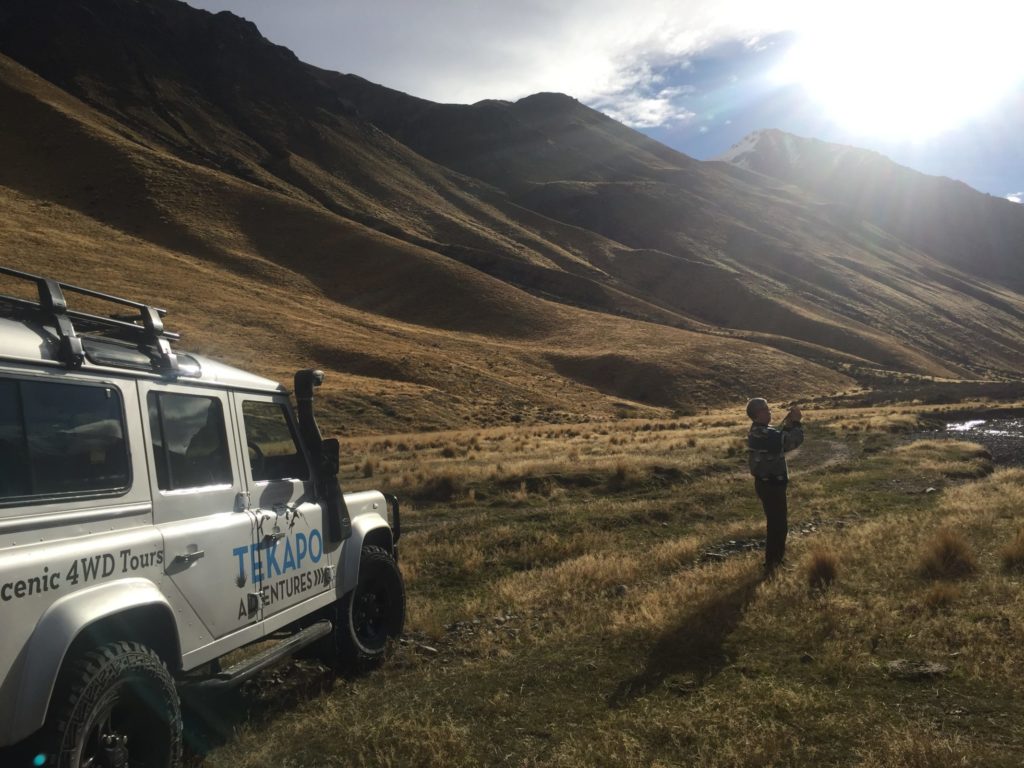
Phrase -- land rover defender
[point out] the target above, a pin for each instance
(158, 510)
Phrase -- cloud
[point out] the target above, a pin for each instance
(640, 106)
(624, 58)
(639, 112)
(486, 49)
(1016, 197)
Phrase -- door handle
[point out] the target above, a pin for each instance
(273, 538)
(189, 557)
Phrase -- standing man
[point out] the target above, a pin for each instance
(767, 447)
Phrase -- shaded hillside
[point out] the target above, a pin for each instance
(211, 90)
(778, 264)
(410, 338)
(730, 249)
(544, 137)
(494, 225)
(976, 232)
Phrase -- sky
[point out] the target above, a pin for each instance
(936, 85)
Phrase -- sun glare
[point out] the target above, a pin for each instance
(906, 69)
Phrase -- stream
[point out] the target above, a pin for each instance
(1001, 433)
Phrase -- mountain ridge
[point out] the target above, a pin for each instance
(547, 247)
(938, 214)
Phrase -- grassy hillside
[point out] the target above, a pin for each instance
(273, 283)
(541, 138)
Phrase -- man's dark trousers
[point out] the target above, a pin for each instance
(773, 499)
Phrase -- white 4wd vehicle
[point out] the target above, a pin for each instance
(158, 510)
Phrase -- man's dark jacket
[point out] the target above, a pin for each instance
(767, 448)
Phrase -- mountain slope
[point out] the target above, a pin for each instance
(543, 137)
(412, 339)
(975, 232)
(209, 89)
(730, 249)
(492, 226)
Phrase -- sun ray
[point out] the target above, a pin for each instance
(906, 70)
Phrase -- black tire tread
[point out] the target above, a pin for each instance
(350, 654)
(108, 660)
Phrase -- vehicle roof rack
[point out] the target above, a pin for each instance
(146, 327)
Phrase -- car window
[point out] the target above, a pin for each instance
(60, 439)
(274, 452)
(190, 445)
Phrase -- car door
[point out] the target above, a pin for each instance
(198, 504)
(292, 563)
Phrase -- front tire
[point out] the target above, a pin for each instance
(116, 706)
(372, 615)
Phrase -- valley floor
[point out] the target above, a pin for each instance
(592, 595)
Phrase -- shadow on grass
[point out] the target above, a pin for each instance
(693, 651)
(212, 718)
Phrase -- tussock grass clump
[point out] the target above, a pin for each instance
(1012, 554)
(441, 487)
(822, 569)
(623, 477)
(948, 556)
(941, 597)
(521, 494)
(963, 461)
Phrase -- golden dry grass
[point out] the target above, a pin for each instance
(912, 748)
(588, 629)
(616, 454)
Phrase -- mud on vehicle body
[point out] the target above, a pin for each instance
(157, 511)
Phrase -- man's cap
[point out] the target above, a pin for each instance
(755, 405)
